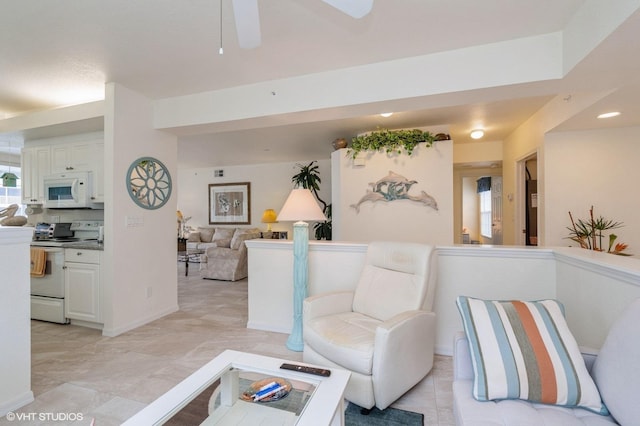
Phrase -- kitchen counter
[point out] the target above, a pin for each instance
(81, 244)
(85, 245)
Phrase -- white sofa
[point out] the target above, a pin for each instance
(615, 370)
(225, 254)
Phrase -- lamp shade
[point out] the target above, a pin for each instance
(301, 205)
(269, 216)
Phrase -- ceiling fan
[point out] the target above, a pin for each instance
(247, 17)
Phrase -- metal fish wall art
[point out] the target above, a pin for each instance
(394, 187)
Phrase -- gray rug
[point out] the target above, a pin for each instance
(386, 417)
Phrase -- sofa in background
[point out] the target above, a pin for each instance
(615, 370)
(225, 254)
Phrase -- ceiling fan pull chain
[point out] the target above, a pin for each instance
(221, 51)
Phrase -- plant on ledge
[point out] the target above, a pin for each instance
(390, 141)
(309, 178)
(589, 234)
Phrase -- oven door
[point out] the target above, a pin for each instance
(52, 283)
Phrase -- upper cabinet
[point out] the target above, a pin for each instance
(36, 163)
(77, 156)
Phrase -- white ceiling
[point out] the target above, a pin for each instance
(61, 53)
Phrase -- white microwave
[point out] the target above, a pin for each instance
(69, 190)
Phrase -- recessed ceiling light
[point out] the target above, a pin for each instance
(609, 114)
(386, 114)
(477, 134)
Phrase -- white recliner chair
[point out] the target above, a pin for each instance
(384, 331)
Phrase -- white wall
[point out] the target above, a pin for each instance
(594, 287)
(400, 220)
(270, 186)
(139, 268)
(596, 168)
(526, 140)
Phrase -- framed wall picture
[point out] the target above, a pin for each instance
(230, 203)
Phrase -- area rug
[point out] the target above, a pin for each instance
(386, 417)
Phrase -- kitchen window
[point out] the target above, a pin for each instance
(11, 195)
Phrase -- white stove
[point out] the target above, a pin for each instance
(83, 230)
(47, 292)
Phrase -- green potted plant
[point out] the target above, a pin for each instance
(589, 234)
(309, 178)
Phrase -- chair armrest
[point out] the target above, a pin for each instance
(403, 354)
(462, 364)
(327, 304)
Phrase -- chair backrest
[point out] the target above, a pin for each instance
(396, 277)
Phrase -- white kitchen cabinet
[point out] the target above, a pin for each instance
(98, 173)
(75, 156)
(42, 158)
(82, 285)
(36, 163)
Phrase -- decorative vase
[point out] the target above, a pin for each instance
(340, 143)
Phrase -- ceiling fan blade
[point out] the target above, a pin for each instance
(354, 8)
(247, 19)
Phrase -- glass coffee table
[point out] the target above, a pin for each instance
(298, 398)
(189, 256)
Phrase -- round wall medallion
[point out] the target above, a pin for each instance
(149, 183)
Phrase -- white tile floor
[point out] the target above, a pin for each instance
(78, 373)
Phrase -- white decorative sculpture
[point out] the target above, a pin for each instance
(10, 219)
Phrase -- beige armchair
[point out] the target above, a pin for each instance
(384, 331)
(227, 259)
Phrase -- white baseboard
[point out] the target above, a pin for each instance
(267, 327)
(15, 403)
(112, 332)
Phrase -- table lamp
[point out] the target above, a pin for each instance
(269, 216)
(300, 207)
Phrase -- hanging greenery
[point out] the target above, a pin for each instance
(390, 141)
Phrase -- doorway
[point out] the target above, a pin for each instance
(528, 207)
(478, 216)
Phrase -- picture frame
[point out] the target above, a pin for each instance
(230, 203)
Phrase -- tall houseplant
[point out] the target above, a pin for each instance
(309, 178)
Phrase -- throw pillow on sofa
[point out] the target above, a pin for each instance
(206, 234)
(241, 235)
(525, 350)
(222, 237)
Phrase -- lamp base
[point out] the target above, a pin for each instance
(295, 342)
(300, 255)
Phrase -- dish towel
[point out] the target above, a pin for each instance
(38, 262)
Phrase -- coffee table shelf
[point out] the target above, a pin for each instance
(313, 400)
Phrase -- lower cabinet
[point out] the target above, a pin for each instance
(82, 285)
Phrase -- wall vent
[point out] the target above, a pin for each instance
(218, 173)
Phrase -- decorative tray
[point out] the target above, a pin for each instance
(273, 389)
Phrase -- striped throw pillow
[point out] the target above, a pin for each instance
(524, 350)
